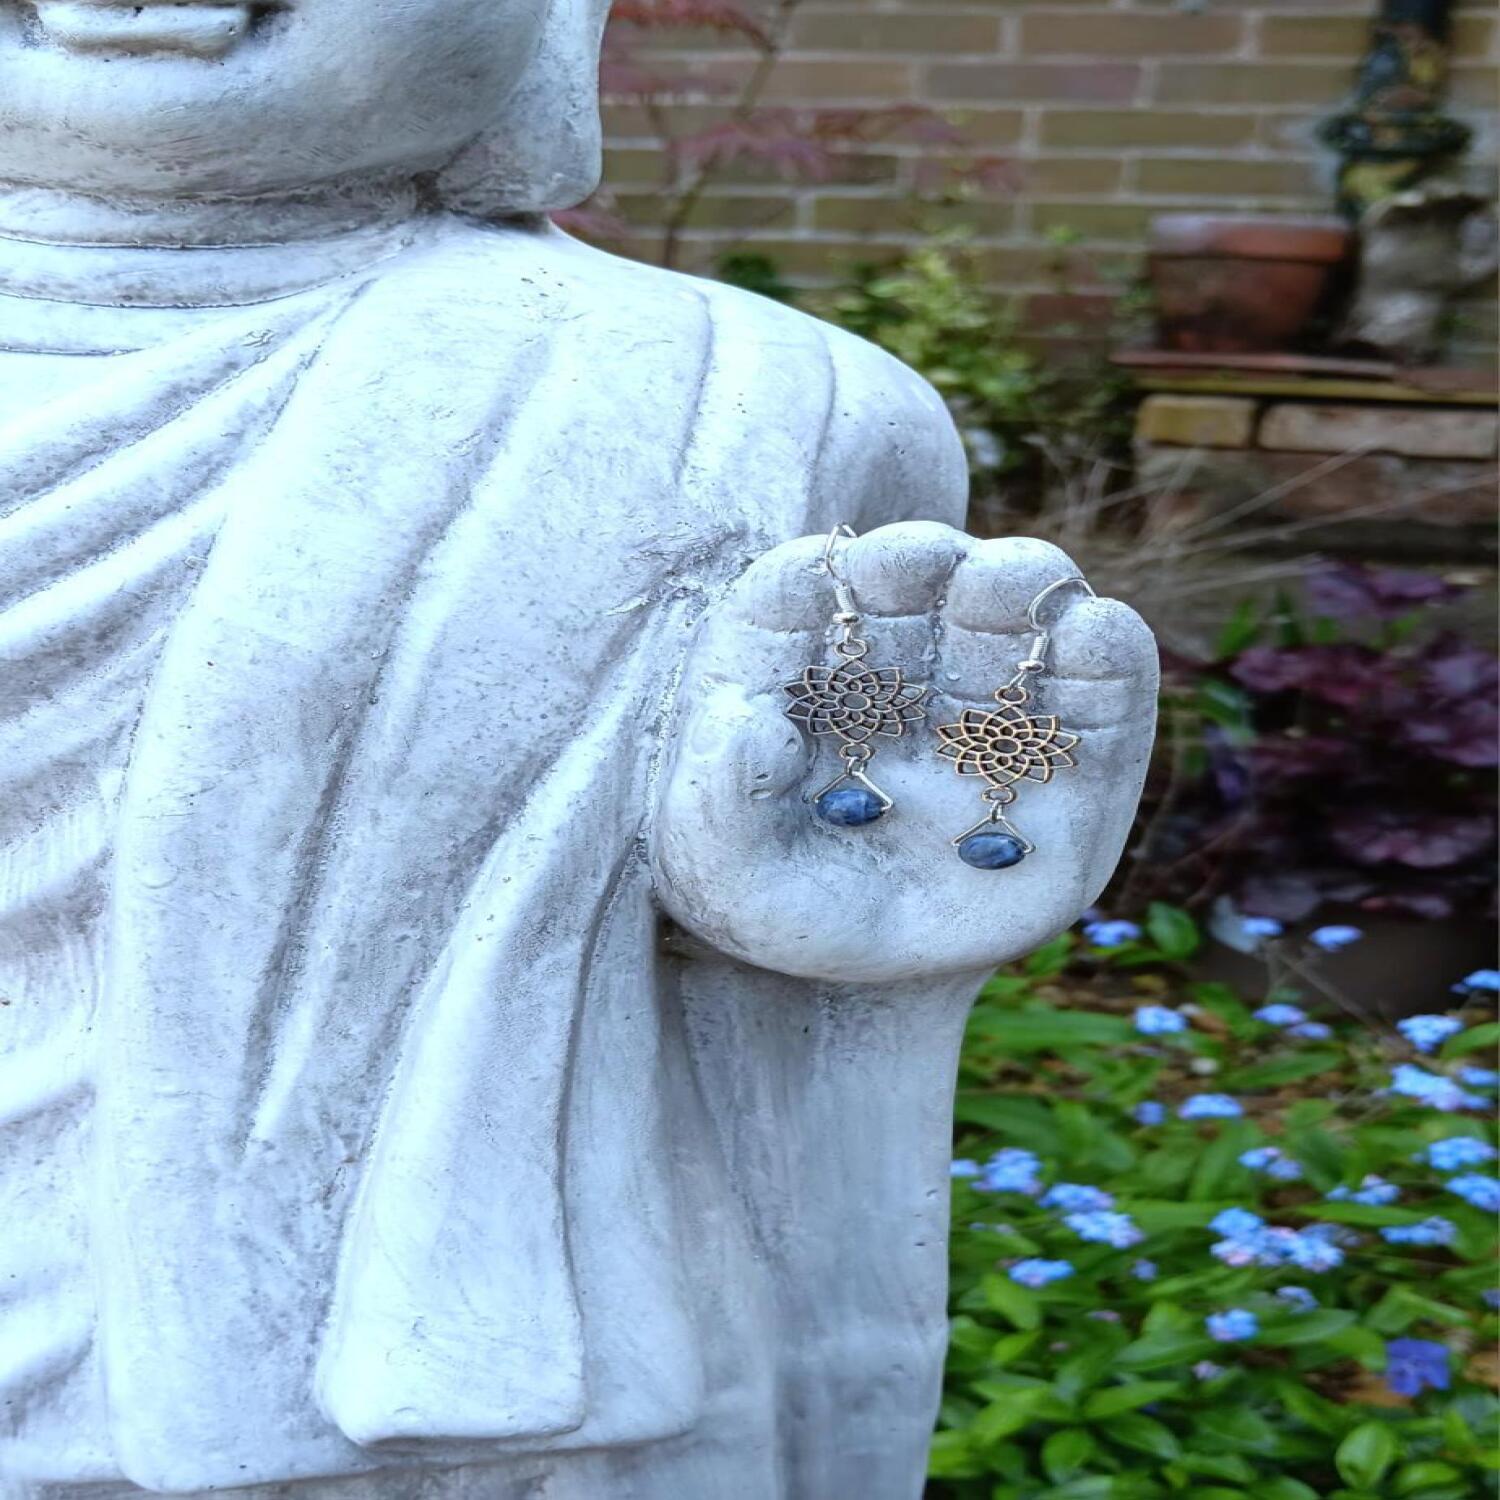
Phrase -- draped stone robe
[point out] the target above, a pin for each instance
(409, 1148)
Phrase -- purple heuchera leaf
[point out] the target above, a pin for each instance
(1228, 766)
(1432, 906)
(1352, 591)
(1375, 835)
(1269, 669)
(1453, 668)
(1468, 734)
(1347, 676)
(1288, 898)
(1285, 758)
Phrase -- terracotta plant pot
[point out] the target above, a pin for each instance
(1244, 284)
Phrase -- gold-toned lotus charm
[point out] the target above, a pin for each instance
(1005, 744)
(853, 702)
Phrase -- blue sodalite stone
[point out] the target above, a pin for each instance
(991, 851)
(849, 806)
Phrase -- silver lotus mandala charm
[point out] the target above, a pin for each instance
(856, 704)
(1005, 746)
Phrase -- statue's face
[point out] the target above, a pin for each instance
(212, 96)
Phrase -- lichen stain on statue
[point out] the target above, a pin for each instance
(395, 597)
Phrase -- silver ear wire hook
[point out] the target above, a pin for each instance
(1052, 588)
(842, 532)
(844, 595)
(1036, 654)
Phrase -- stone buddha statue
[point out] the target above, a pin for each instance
(440, 1053)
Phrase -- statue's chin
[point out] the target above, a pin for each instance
(201, 28)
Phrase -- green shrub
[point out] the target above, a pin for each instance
(1200, 1248)
(1013, 405)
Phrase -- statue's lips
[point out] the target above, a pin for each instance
(201, 28)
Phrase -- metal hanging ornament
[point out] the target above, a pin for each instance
(1006, 746)
(855, 703)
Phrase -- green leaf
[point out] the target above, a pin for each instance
(1051, 958)
(1022, 1122)
(1078, 1127)
(1013, 1346)
(1220, 1159)
(1410, 1478)
(1401, 1307)
(1156, 1350)
(1172, 930)
(1236, 1427)
(1082, 1371)
(1021, 1031)
(1361, 1213)
(1239, 630)
(1227, 706)
(1066, 1452)
(1361, 1344)
(1305, 1328)
(1283, 1488)
(1157, 1214)
(952, 1457)
(1225, 1004)
(1115, 1399)
(1012, 1302)
(1319, 1152)
(1364, 1456)
(1014, 1411)
(1094, 1487)
(1144, 1434)
(1309, 1408)
(1473, 1040)
(1228, 1466)
(1289, 1068)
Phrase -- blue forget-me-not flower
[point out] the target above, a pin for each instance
(1474, 1187)
(1159, 1020)
(1233, 1326)
(1035, 1273)
(1433, 1231)
(1111, 934)
(1209, 1107)
(1455, 1152)
(1281, 1014)
(1414, 1365)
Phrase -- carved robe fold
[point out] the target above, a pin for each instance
(408, 1146)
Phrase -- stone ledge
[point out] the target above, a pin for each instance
(1431, 432)
(1197, 421)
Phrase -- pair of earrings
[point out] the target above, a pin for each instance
(859, 704)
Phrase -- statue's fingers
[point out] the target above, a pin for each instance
(1102, 667)
(898, 577)
(1100, 682)
(984, 630)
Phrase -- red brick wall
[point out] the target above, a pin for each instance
(1107, 110)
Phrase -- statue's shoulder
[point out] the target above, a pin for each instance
(801, 390)
(486, 278)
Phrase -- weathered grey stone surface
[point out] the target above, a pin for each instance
(441, 1057)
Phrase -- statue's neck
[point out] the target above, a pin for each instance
(58, 216)
(193, 252)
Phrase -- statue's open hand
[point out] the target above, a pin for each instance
(742, 860)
